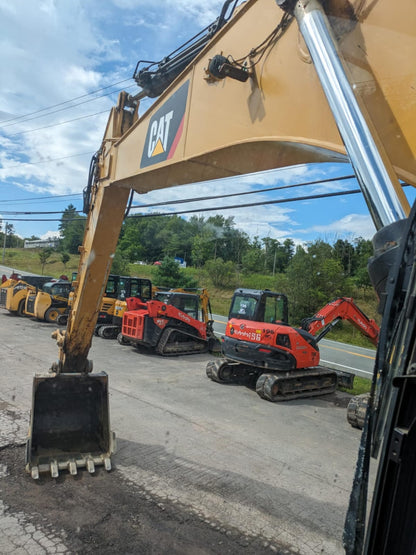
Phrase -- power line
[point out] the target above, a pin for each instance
(38, 162)
(202, 199)
(268, 189)
(66, 108)
(58, 124)
(260, 203)
(42, 198)
(65, 102)
(214, 209)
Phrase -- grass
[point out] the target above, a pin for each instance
(27, 260)
(361, 385)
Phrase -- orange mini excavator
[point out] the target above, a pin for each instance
(284, 360)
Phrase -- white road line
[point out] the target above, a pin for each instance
(349, 367)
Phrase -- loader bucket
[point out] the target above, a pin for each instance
(70, 424)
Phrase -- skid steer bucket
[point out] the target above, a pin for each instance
(70, 424)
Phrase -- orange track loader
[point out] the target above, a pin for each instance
(176, 323)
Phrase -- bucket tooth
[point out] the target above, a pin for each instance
(72, 467)
(107, 463)
(53, 465)
(34, 472)
(90, 466)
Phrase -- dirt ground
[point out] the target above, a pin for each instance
(103, 513)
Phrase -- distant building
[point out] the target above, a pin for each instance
(180, 261)
(51, 242)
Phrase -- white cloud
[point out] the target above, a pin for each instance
(51, 52)
(50, 235)
(352, 225)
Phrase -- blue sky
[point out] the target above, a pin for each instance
(56, 53)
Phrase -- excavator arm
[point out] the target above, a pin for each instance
(282, 82)
(343, 308)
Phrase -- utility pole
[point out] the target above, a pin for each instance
(4, 240)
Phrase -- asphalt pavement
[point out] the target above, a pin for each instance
(276, 477)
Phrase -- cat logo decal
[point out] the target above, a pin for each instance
(165, 129)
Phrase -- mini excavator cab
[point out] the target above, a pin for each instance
(259, 306)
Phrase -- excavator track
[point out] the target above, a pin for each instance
(224, 371)
(108, 332)
(175, 342)
(357, 409)
(220, 371)
(307, 382)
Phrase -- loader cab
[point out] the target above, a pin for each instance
(134, 287)
(128, 287)
(259, 306)
(13, 298)
(57, 288)
(185, 302)
(52, 300)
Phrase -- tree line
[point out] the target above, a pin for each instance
(311, 274)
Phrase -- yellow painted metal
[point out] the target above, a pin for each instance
(42, 302)
(97, 252)
(281, 117)
(15, 296)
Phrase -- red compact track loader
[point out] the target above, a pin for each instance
(176, 323)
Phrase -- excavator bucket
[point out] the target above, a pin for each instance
(69, 425)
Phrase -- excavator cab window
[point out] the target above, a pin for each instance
(111, 288)
(146, 290)
(274, 309)
(259, 306)
(243, 306)
(121, 290)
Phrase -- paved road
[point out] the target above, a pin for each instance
(278, 475)
(340, 356)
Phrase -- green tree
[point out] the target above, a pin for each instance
(170, 274)
(65, 258)
(120, 265)
(140, 240)
(44, 256)
(344, 252)
(314, 279)
(253, 258)
(71, 227)
(222, 274)
(363, 252)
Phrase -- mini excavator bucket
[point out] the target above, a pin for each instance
(70, 424)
